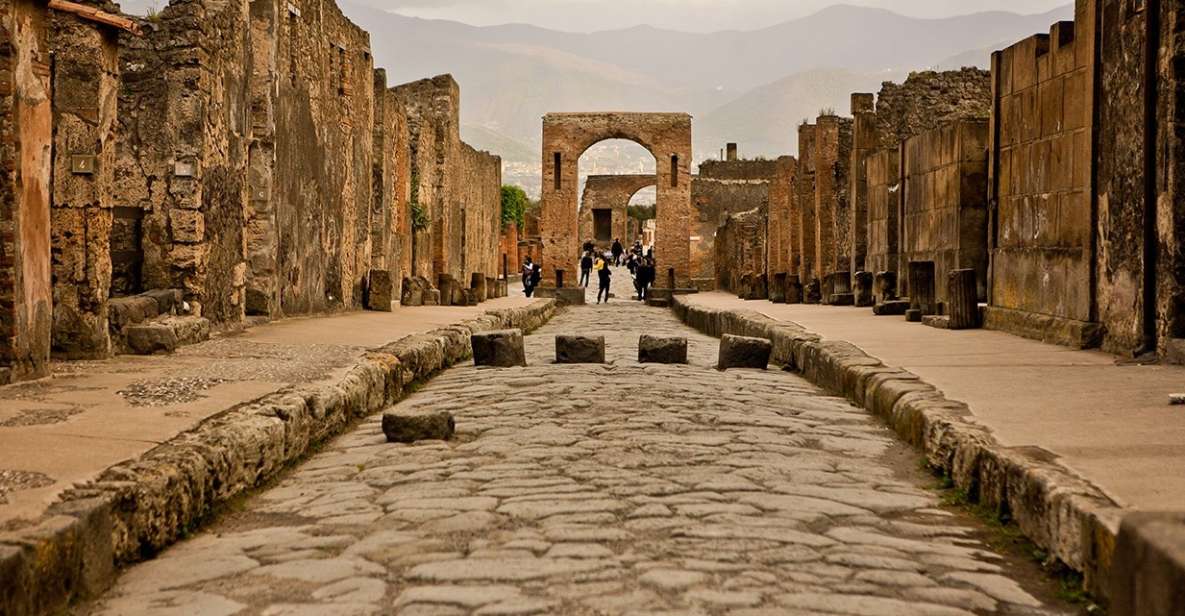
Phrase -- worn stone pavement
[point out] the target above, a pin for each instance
(609, 489)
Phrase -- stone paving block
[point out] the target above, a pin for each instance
(411, 425)
(501, 349)
(579, 349)
(150, 339)
(662, 350)
(744, 352)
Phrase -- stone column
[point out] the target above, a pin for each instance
(921, 288)
(804, 201)
(865, 140)
(962, 299)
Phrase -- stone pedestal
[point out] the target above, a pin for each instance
(477, 289)
(921, 287)
(962, 299)
(794, 290)
(884, 287)
(380, 293)
(777, 288)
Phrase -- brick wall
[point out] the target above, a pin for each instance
(884, 193)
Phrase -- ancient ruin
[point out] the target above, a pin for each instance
(667, 136)
(732, 437)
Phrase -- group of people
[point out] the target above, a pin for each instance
(641, 267)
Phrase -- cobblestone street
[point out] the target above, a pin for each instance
(612, 489)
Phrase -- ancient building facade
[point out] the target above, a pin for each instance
(214, 161)
(720, 190)
(740, 249)
(566, 136)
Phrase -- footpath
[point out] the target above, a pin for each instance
(108, 461)
(1078, 447)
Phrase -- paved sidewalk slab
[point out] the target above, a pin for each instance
(1111, 423)
(92, 415)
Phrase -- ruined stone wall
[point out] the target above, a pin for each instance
(480, 179)
(833, 155)
(740, 248)
(928, 100)
(182, 154)
(802, 205)
(386, 245)
(781, 229)
(944, 214)
(1041, 257)
(738, 169)
(713, 201)
(85, 87)
(884, 192)
(1170, 227)
(26, 297)
(433, 115)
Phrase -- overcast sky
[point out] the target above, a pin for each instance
(688, 15)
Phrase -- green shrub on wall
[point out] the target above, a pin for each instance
(514, 206)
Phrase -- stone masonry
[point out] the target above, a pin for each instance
(567, 135)
(609, 196)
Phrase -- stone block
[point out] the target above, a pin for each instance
(936, 321)
(503, 288)
(492, 288)
(380, 293)
(477, 289)
(579, 349)
(777, 289)
(658, 302)
(432, 297)
(1148, 568)
(659, 350)
(914, 315)
(124, 311)
(894, 308)
(744, 352)
(842, 299)
(167, 301)
(412, 293)
(150, 339)
(885, 287)
(814, 293)
(411, 425)
(501, 348)
(189, 329)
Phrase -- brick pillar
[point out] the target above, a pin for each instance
(26, 297)
(804, 204)
(826, 157)
(865, 140)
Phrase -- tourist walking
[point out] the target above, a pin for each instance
(617, 251)
(604, 276)
(586, 265)
(528, 271)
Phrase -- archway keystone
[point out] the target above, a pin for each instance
(566, 136)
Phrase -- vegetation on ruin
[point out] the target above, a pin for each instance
(642, 212)
(514, 206)
(419, 214)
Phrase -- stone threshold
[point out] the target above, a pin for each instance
(137, 508)
(1057, 509)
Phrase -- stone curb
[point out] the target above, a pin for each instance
(137, 508)
(1055, 508)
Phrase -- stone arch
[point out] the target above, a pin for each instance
(612, 193)
(566, 136)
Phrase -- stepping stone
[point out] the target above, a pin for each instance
(744, 352)
(656, 350)
(411, 425)
(501, 349)
(579, 349)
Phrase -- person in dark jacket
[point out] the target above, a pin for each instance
(604, 276)
(617, 251)
(527, 271)
(586, 265)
